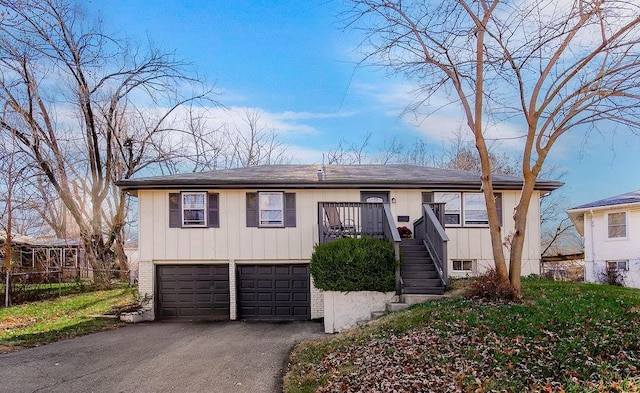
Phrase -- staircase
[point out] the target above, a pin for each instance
(417, 270)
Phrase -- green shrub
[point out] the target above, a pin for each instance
(349, 264)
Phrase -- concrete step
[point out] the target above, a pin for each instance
(377, 314)
(412, 299)
(395, 306)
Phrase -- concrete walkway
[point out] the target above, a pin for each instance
(161, 357)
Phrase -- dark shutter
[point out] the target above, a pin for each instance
(175, 205)
(252, 209)
(213, 211)
(289, 210)
(427, 197)
(498, 199)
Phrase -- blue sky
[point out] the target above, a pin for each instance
(292, 61)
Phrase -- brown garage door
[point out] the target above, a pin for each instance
(192, 292)
(274, 292)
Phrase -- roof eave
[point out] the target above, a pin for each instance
(459, 185)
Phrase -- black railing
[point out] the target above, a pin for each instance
(358, 219)
(430, 229)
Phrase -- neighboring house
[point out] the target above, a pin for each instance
(236, 243)
(45, 255)
(611, 231)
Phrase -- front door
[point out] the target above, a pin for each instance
(372, 217)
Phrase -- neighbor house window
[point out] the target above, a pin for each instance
(271, 209)
(452, 208)
(617, 225)
(193, 209)
(617, 265)
(475, 209)
(462, 265)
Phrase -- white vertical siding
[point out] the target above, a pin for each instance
(233, 240)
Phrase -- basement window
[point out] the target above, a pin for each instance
(463, 265)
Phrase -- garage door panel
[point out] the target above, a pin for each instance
(299, 269)
(193, 292)
(277, 292)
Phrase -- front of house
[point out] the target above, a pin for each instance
(611, 231)
(236, 244)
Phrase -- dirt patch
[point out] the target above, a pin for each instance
(9, 322)
(9, 348)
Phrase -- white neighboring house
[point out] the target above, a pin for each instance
(611, 231)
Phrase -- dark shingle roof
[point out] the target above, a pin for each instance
(623, 199)
(335, 176)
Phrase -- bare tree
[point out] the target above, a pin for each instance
(87, 109)
(251, 143)
(549, 67)
(350, 153)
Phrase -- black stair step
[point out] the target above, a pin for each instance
(412, 240)
(419, 255)
(413, 246)
(417, 260)
(418, 283)
(408, 270)
(423, 291)
(419, 274)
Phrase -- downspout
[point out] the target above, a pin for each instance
(593, 251)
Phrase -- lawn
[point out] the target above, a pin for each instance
(38, 323)
(564, 337)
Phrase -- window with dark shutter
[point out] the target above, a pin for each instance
(191, 214)
(498, 199)
(272, 214)
(175, 210)
(213, 211)
(252, 209)
(289, 210)
(427, 197)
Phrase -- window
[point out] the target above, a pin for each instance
(193, 209)
(462, 265)
(617, 225)
(271, 209)
(617, 265)
(452, 209)
(464, 208)
(475, 209)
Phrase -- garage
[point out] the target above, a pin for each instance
(274, 292)
(192, 292)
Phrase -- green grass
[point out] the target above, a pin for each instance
(38, 323)
(563, 337)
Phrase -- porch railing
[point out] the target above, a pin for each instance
(358, 219)
(430, 229)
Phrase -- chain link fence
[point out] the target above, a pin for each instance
(25, 287)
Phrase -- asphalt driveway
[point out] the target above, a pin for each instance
(161, 357)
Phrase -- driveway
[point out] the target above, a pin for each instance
(161, 357)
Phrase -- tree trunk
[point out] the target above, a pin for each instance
(517, 241)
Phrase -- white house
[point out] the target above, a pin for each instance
(236, 243)
(611, 231)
